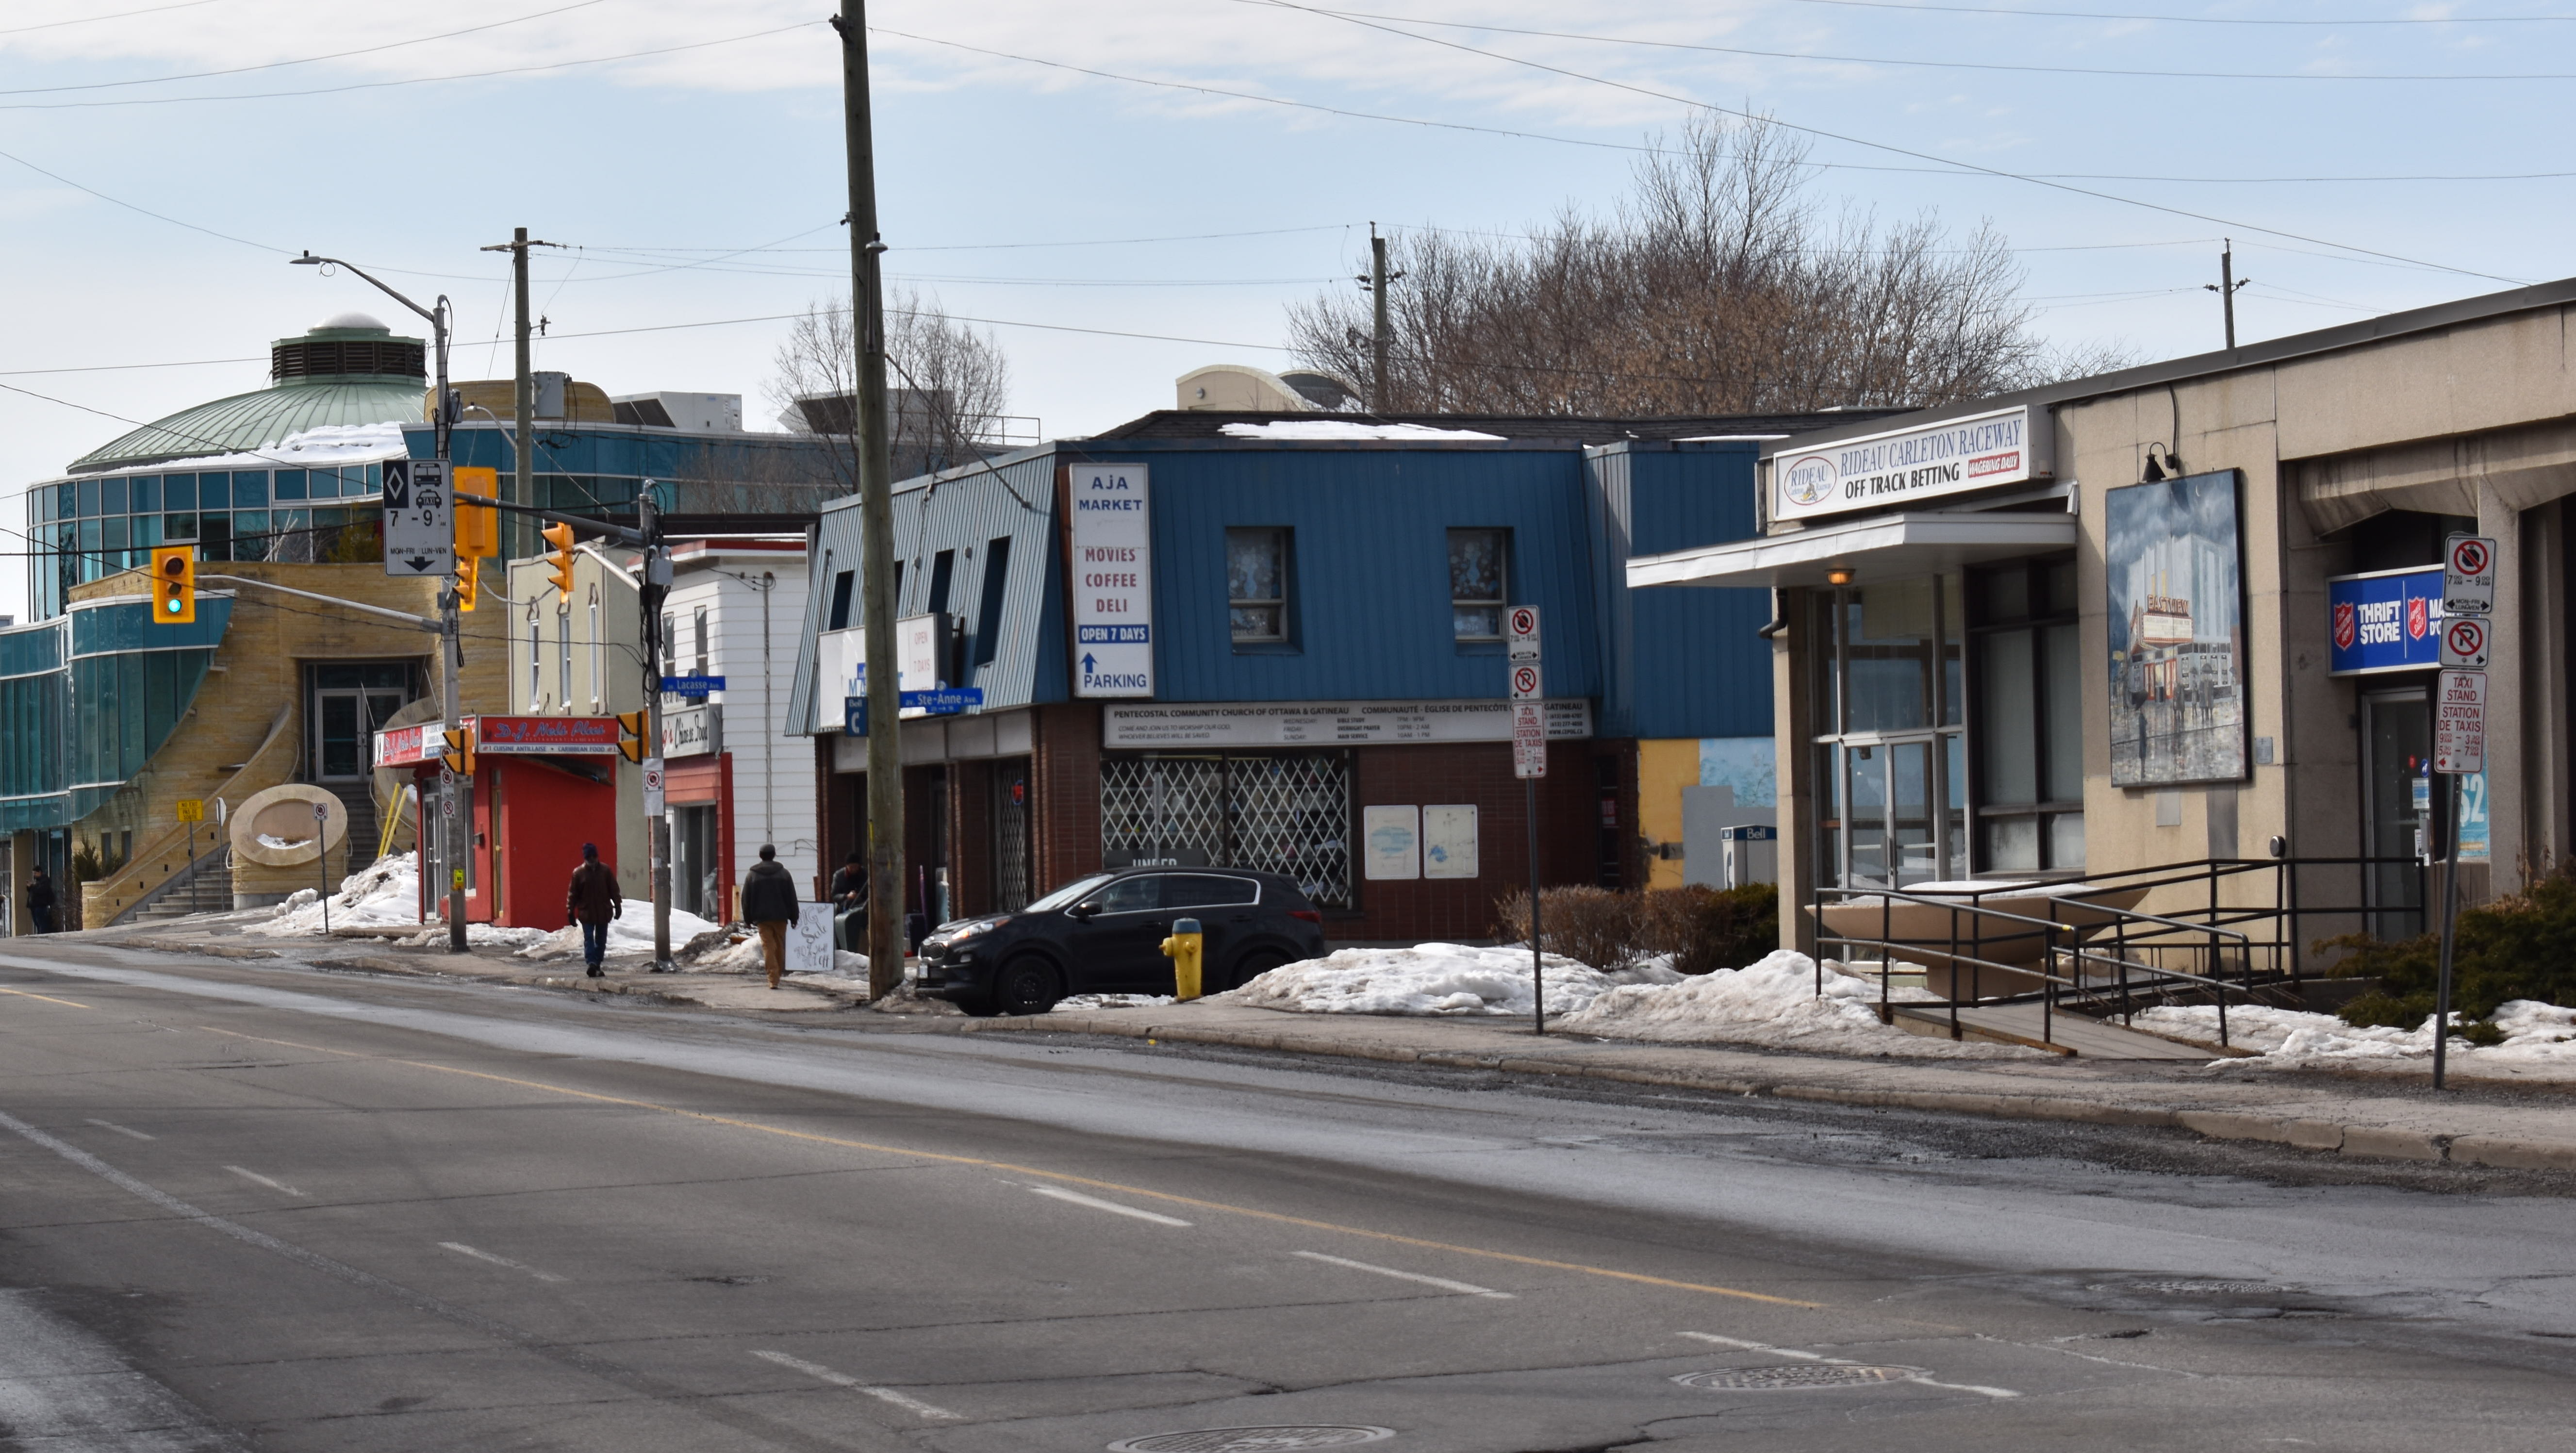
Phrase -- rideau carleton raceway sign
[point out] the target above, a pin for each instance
(1893, 470)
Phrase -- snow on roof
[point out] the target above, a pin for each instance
(326, 444)
(1344, 429)
(1728, 438)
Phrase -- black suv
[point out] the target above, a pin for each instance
(1103, 934)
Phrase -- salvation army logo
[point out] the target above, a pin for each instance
(2416, 621)
(1808, 480)
(2345, 630)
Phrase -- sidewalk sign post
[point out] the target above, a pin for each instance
(1529, 763)
(2459, 736)
(192, 810)
(322, 859)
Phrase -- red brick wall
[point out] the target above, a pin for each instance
(1064, 786)
(1478, 773)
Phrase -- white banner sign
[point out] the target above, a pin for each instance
(1330, 723)
(843, 665)
(1113, 582)
(1893, 470)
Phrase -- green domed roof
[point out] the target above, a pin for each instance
(314, 391)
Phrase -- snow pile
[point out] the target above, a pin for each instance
(323, 444)
(1344, 429)
(271, 840)
(377, 897)
(630, 933)
(744, 958)
(2540, 1039)
(1774, 1003)
(1428, 978)
(1109, 1001)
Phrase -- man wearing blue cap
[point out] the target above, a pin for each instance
(594, 902)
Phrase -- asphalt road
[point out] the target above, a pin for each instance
(267, 1208)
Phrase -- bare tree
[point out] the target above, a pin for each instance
(947, 386)
(1716, 287)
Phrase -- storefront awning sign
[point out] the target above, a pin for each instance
(2387, 620)
(548, 736)
(406, 746)
(1896, 469)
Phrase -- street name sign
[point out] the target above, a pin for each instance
(2464, 642)
(2460, 722)
(692, 685)
(2468, 575)
(1521, 624)
(420, 533)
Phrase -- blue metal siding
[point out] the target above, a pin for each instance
(1370, 584)
(1699, 668)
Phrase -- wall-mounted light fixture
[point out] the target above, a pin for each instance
(1838, 575)
(2161, 465)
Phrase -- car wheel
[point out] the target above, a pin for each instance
(1026, 985)
(1254, 964)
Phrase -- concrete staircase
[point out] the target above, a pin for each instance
(209, 889)
(363, 824)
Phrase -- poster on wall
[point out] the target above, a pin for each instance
(2174, 558)
(1391, 840)
(1449, 841)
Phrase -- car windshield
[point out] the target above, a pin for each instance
(1070, 893)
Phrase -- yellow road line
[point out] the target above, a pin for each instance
(48, 998)
(981, 1163)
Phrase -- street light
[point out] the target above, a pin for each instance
(455, 832)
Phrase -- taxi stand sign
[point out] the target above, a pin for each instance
(2460, 723)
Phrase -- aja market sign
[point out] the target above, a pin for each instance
(2388, 620)
(1893, 470)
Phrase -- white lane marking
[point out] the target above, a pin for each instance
(252, 1175)
(461, 1249)
(66, 1390)
(1769, 1351)
(820, 1373)
(119, 1129)
(1465, 1288)
(1097, 1204)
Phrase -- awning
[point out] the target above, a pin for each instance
(1881, 547)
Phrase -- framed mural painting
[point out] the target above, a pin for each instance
(2175, 557)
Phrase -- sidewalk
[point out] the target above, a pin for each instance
(2391, 1114)
(378, 951)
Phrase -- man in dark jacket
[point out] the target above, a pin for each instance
(593, 901)
(850, 901)
(40, 901)
(769, 904)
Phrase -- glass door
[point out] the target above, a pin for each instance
(2397, 744)
(345, 723)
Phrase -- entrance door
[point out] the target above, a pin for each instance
(696, 867)
(345, 723)
(1898, 827)
(2397, 746)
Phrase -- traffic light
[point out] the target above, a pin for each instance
(174, 585)
(559, 555)
(478, 527)
(459, 755)
(469, 579)
(630, 735)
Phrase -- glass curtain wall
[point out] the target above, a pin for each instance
(2029, 717)
(1889, 743)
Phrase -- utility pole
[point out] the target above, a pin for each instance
(1382, 335)
(651, 589)
(2226, 286)
(876, 521)
(523, 485)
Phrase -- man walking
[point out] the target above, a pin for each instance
(593, 901)
(769, 904)
(40, 900)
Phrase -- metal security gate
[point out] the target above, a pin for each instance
(1285, 813)
(1011, 834)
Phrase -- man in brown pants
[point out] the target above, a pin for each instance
(769, 904)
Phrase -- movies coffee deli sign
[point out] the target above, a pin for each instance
(1894, 470)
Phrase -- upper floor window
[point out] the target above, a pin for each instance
(1256, 583)
(1476, 584)
(698, 624)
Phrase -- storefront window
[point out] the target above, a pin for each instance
(2029, 719)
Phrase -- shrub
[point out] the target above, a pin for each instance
(1701, 928)
(1711, 928)
(2519, 947)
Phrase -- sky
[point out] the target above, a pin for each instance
(1119, 193)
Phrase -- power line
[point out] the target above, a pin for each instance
(302, 60)
(1873, 145)
(1791, 55)
(2193, 19)
(409, 80)
(94, 19)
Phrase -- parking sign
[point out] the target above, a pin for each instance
(2468, 575)
(1522, 621)
(2460, 722)
(2464, 642)
(420, 536)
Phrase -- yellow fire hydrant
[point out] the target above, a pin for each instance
(1183, 949)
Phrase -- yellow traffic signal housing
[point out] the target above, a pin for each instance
(559, 555)
(174, 585)
(459, 756)
(630, 742)
(469, 578)
(478, 527)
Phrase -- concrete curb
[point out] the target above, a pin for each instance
(2302, 1132)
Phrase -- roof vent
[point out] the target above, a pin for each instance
(349, 345)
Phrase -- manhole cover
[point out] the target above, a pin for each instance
(2198, 1288)
(1795, 1376)
(1252, 1440)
